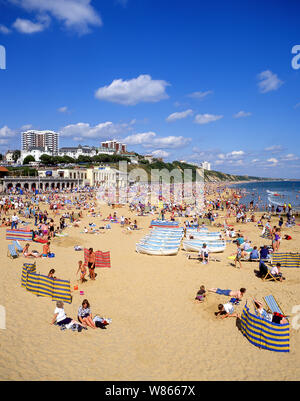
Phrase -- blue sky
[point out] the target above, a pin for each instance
(187, 80)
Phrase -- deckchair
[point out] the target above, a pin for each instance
(272, 304)
(269, 276)
(11, 252)
(18, 246)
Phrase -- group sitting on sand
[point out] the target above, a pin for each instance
(85, 318)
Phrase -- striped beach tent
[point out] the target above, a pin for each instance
(102, 258)
(44, 286)
(286, 259)
(264, 334)
(20, 235)
(267, 234)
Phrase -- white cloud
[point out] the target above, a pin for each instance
(274, 149)
(140, 139)
(206, 118)
(63, 109)
(160, 153)
(272, 160)
(235, 153)
(29, 27)
(6, 132)
(133, 91)
(289, 157)
(26, 127)
(179, 115)
(102, 130)
(78, 15)
(268, 81)
(242, 114)
(151, 140)
(4, 30)
(199, 95)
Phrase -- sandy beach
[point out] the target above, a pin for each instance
(158, 330)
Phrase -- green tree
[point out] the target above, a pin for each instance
(28, 159)
(47, 159)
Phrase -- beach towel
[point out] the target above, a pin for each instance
(102, 258)
(265, 334)
(44, 286)
(286, 259)
(20, 235)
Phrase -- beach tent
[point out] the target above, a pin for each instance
(265, 334)
(44, 286)
(102, 258)
(20, 235)
(286, 259)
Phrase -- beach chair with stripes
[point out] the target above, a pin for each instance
(11, 252)
(273, 305)
(18, 246)
(269, 276)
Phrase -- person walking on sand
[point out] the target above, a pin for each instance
(238, 256)
(91, 263)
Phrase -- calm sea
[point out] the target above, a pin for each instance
(271, 193)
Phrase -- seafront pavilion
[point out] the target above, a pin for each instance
(39, 183)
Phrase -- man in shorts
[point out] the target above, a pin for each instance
(91, 263)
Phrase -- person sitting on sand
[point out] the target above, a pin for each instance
(201, 294)
(61, 318)
(85, 315)
(254, 254)
(82, 269)
(270, 317)
(46, 250)
(26, 253)
(204, 254)
(264, 253)
(51, 273)
(238, 294)
(226, 310)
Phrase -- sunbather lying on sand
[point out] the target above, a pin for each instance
(230, 293)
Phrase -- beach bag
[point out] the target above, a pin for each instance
(101, 325)
(51, 255)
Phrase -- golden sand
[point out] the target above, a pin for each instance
(158, 331)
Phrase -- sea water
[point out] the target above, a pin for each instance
(268, 193)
